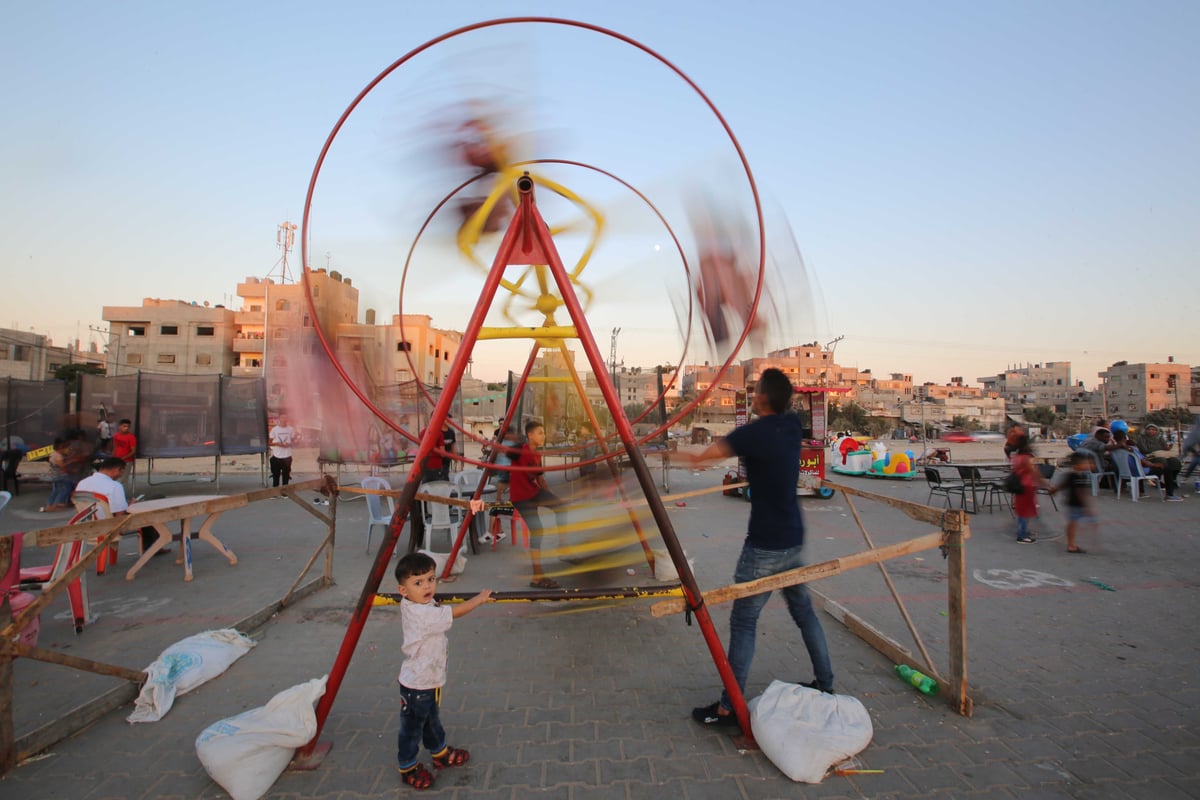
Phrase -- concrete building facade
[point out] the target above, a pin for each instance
(1047, 384)
(34, 357)
(1131, 391)
(172, 337)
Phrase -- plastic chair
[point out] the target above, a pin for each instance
(1130, 470)
(17, 600)
(84, 501)
(5, 497)
(939, 486)
(1098, 472)
(375, 514)
(65, 557)
(437, 516)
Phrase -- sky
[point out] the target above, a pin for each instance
(968, 186)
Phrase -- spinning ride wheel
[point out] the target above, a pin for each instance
(531, 299)
(544, 289)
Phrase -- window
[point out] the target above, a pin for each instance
(133, 358)
(307, 323)
(136, 330)
(316, 291)
(169, 330)
(279, 333)
(281, 305)
(166, 358)
(206, 330)
(446, 356)
(403, 347)
(20, 352)
(203, 359)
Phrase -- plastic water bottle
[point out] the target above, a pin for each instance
(920, 680)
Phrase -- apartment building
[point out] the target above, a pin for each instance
(1046, 384)
(171, 337)
(1132, 391)
(34, 357)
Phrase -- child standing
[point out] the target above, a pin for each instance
(423, 672)
(1025, 503)
(124, 447)
(529, 490)
(1078, 483)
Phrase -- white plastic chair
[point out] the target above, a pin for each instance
(1130, 470)
(375, 513)
(437, 516)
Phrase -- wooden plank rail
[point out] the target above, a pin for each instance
(62, 534)
(954, 530)
(809, 572)
(108, 530)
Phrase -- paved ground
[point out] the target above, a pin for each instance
(1080, 692)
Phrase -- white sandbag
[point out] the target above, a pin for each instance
(185, 665)
(664, 567)
(247, 753)
(460, 563)
(805, 732)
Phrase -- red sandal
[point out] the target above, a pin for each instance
(417, 776)
(451, 757)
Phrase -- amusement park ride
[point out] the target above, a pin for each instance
(529, 274)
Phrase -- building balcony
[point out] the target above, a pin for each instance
(249, 318)
(248, 345)
(247, 372)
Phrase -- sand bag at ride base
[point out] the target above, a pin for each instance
(805, 731)
(185, 665)
(247, 753)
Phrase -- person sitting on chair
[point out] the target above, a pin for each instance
(1158, 459)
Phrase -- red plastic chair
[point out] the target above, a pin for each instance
(65, 557)
(18, 600)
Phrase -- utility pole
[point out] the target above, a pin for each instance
(832, 347)
(116, 365)
(612, 356)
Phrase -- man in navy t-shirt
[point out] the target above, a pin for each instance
(770, 448)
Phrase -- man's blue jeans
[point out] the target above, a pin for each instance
(420, 724)
(752, 564)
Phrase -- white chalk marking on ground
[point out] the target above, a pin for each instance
(1018, 578)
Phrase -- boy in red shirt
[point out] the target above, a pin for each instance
(528, 491)
(124, 447)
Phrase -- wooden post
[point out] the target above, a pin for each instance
(8, 752)
(956, 568)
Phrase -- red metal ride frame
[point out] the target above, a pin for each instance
(526, 242)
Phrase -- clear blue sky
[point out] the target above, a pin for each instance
(972, 185)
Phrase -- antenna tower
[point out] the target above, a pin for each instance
(285, 240)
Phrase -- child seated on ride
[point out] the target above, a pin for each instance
(423, 672)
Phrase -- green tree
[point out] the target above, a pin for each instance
(69, 373)
(878, 426)
(852, 417)
(1041, 415)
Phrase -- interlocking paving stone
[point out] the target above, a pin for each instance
(1080, 693)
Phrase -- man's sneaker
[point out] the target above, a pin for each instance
(1026, 540)
(487, 538)
(1174, 498)
(708, 715)
(813, 685)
